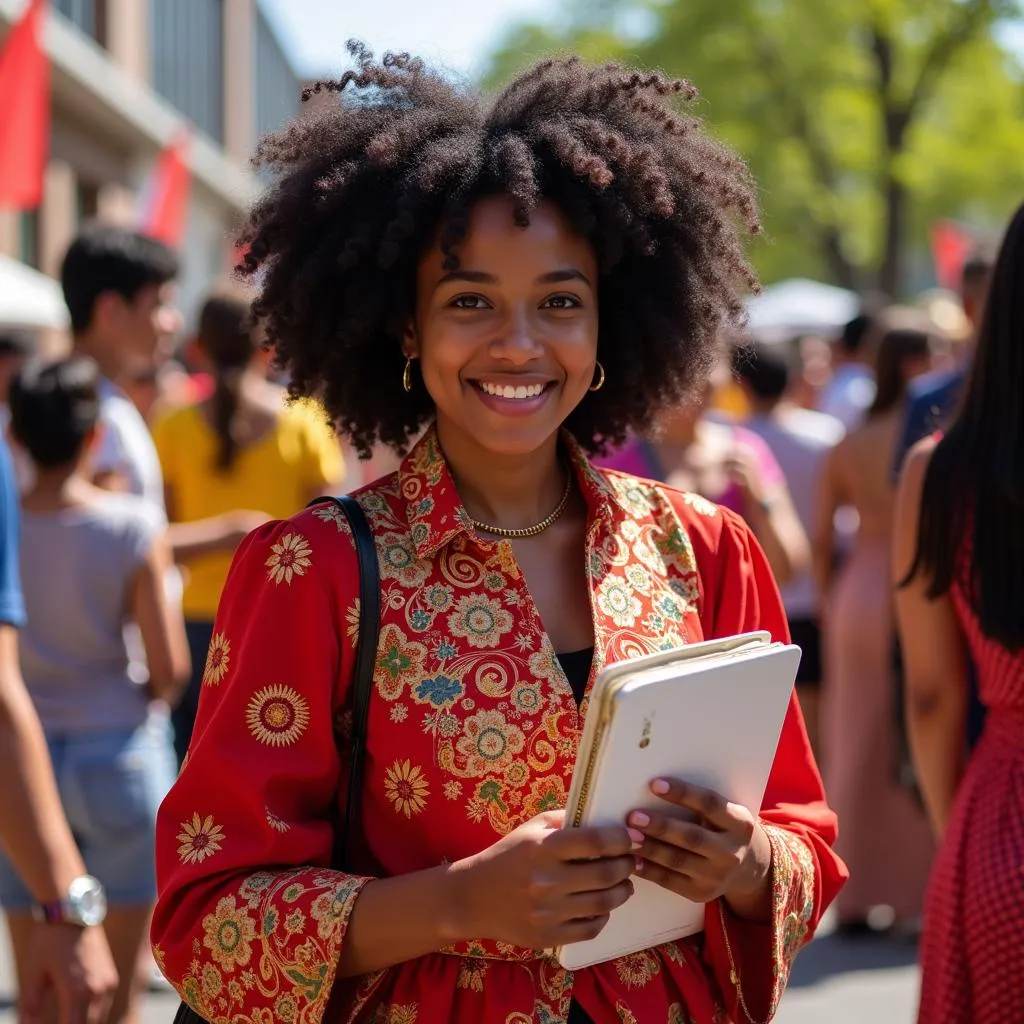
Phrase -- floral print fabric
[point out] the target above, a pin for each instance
(473, 730)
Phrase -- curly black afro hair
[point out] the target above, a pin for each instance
(393, 164)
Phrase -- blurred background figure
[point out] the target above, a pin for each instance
(108, 733)
(16, 348)
(885, 838)
(959, 571)
(932, 399)
(242, 455)
(119, 289)
(849, 393)
(726, 464)
(800, 440)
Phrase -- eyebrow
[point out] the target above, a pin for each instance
(482, 277)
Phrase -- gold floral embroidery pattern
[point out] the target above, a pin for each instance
(217, 660)
(200, 838)
(636, 969)
(228, 934)
(480, 621)
(406, 787)
(289, 557)
(277, 715)
(247, 929)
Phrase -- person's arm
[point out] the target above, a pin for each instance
(213, 535)
(35, 836)
(830, 497)
(33, 829)
(246, 832)
(780, 533)
(162, 628)
(751, 939)
(934, 663)
(221, 533)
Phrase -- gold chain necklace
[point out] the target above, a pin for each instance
(530, 531)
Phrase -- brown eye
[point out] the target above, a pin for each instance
(470, 302)
(562, 302)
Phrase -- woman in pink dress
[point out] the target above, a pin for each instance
(959, 568)
(884, 834)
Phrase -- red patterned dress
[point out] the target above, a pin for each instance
(473, 730)
(973, 947)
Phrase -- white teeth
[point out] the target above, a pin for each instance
(507, 391)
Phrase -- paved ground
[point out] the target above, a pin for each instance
(833, 983)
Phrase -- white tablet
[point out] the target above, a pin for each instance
(710, 713)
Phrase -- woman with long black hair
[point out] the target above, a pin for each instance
(959, 568)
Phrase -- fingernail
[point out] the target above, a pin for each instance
(639, 865)
(640, 819)
(637, 837)
(660, 786)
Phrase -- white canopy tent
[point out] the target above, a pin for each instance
(28, 299)
(799, 306)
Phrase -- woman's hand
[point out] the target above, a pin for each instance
(543, 886)
(703, 847)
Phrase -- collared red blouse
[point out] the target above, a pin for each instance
(473, 730)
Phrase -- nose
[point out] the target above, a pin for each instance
(516, 343)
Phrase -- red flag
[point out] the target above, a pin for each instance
(165, 198)
(951, 245)
(24, 112)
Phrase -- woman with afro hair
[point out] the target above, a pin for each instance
(518, 282)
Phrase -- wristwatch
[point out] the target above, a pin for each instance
(85, 905)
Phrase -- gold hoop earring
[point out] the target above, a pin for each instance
(600, 378)
(407, 375)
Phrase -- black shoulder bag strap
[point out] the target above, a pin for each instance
(362, 686)
(362, 677)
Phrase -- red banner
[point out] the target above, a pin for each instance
(24, 111)
(164, 213)
(951, 245)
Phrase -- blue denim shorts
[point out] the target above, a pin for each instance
(111, 784)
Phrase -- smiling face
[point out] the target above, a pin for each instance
(507, 343)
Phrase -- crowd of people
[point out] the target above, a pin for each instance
(187, 634)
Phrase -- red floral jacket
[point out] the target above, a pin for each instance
(473, 729)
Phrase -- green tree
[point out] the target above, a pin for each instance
(863, 120)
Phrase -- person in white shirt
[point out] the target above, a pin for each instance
(850, 392)
(119, 290)
(800, 439)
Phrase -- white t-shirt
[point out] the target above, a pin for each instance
(126, 447)
(800, 440)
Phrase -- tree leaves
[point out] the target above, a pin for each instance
(863, 120)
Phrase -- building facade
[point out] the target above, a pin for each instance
(126, 75)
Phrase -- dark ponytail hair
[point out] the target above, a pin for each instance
(227, 336)
(897, 345)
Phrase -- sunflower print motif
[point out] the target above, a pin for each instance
(200, 838)
(406, 787)
(289, 557)
(217, 660)
(277, 715)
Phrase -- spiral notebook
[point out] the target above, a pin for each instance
(710, 713)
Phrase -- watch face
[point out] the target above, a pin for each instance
(87, 901)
